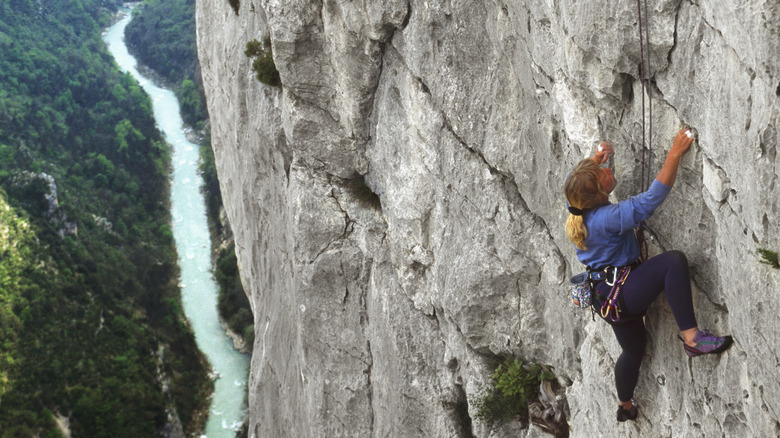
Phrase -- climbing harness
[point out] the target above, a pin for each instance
(611, 308)
(644, 72)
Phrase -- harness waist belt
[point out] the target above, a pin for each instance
(609, 271)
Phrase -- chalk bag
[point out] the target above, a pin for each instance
(581, 291)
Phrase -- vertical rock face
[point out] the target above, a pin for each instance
(464, 116)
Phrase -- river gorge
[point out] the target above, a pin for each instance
(191, 235)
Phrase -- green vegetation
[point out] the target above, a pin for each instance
(769, 257)
(193, 104)
(514, 384)
(263, 63)
(89, 302)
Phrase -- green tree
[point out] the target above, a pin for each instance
(6, 155)
(126, 136)
(119, 92)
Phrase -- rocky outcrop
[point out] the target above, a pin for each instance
(464, 116)
(39, 191)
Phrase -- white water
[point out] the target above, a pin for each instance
(190, 232)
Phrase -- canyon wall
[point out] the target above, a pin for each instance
(464, 116)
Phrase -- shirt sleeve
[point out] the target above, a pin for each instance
(632, 211)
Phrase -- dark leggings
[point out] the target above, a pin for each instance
(667, 271)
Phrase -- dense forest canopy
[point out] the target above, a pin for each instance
(90, 310)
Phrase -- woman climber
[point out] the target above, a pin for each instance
(605, 242)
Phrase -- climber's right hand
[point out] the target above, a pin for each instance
(682, 142)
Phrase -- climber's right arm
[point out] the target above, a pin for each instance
(682, 142)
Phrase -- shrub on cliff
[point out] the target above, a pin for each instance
(769, 257)
(263, 64)
(514, 383)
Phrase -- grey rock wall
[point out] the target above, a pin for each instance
(464, 116)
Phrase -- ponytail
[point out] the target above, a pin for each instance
(576, 231)
(582, 189)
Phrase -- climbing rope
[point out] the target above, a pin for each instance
(644, 73)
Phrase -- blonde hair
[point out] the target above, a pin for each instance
(582, 189)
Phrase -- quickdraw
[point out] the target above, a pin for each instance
(610, 309)
(645, 76)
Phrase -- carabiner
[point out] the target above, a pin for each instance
(614, 277)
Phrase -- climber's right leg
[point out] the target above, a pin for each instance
(667, 271)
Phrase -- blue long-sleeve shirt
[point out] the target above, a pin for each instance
(611, 240)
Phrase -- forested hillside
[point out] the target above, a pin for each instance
(162, 37)
(90, 316)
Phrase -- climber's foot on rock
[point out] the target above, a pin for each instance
(626, 414)
(707, 343)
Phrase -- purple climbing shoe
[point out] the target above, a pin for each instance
(707, 343)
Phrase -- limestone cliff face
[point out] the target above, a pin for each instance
(464, 116)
